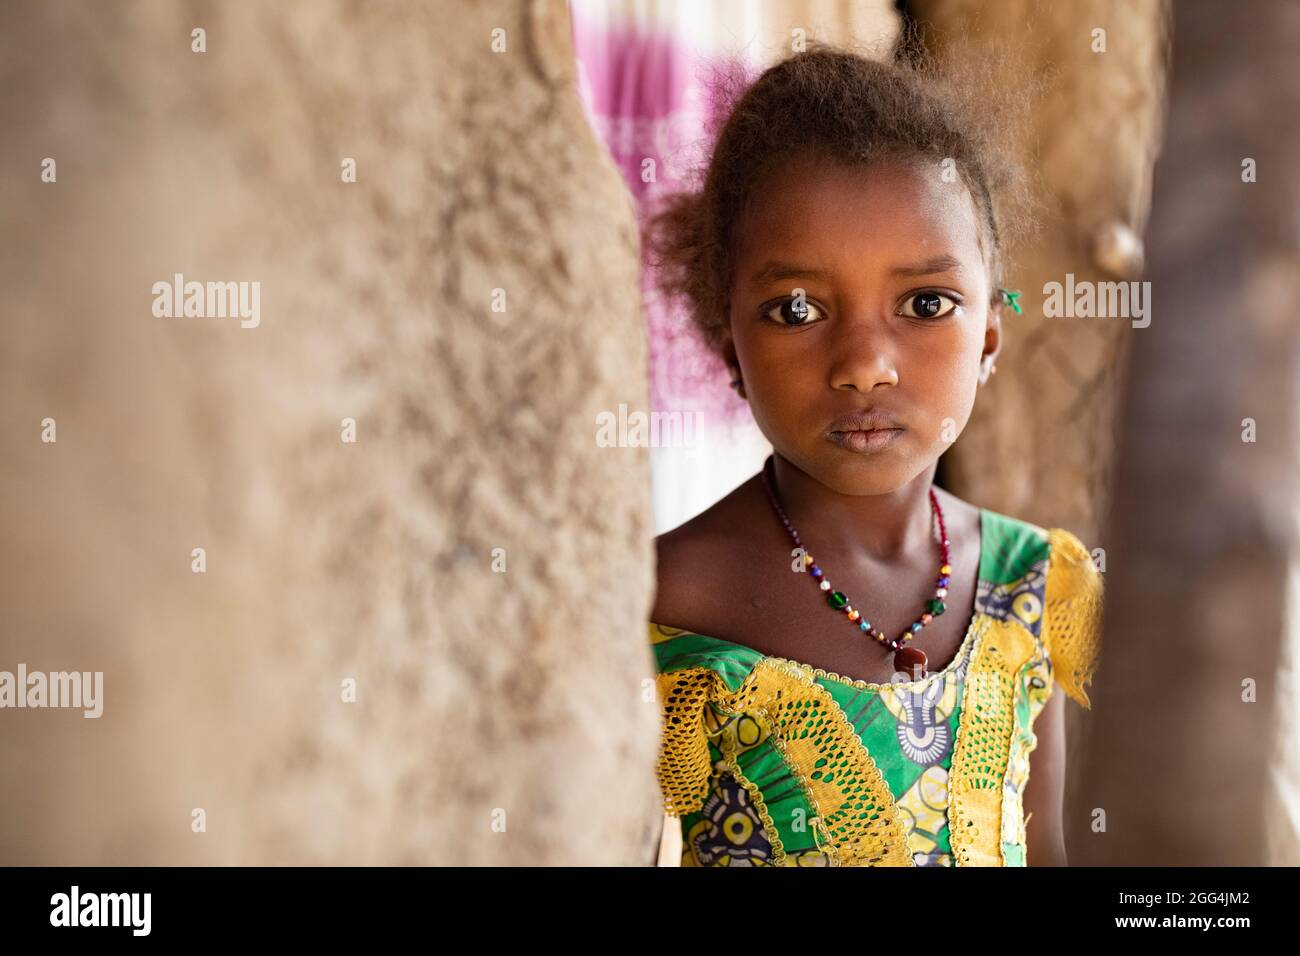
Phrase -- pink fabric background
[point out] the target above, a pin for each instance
(645, 85)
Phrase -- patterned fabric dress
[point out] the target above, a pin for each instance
(770, 762)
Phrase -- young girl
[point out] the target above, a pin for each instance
(854, 664)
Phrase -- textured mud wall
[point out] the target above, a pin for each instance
(498, 717)
(1191, 714)
(871, 26)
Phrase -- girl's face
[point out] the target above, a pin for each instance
(894, 321)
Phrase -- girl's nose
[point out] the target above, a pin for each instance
(863, 358)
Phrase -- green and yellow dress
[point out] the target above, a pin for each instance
(770, 762)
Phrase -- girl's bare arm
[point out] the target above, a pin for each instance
(1044, 793)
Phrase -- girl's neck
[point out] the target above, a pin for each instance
(885, 526)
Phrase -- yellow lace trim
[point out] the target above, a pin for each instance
(983, 746)
(856, 821)
(1072, 618)
(1034, 685)
(684, 766)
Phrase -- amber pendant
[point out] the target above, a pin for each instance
(910, 660)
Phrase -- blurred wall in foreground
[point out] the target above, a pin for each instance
(498, 717)
(1194, 752)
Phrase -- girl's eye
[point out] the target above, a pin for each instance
(927, 305)
(794, 312)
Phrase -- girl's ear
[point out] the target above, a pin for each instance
(728, 352)
(988, 368)
(992, 343)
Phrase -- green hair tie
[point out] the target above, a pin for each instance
(1009, 298)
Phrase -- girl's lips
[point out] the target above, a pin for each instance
(872, 440)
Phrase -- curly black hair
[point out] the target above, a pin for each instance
(834, 102)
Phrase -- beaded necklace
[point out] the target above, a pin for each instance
(909, 660)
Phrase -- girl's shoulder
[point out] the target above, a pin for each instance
(1012, 547)
(699, 558)
(1047, 580)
